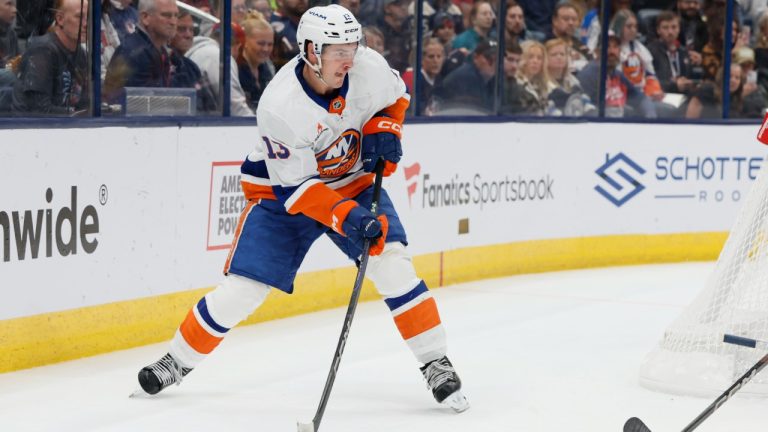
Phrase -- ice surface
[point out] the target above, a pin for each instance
(548, 352)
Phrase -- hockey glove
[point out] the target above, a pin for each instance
(360, 224)
(381, 138)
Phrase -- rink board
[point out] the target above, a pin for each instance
(111, 234)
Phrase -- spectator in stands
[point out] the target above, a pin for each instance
(761, 31)
(481, 18)
(239, 11)
(34, 17)
(514, 26)
(264, 7)
(533, 76)
(622, 98)
(594, 30)
(712, 52)
(590, 22)
(351, 5)
(565, 24)
(53, 75)
(444, 32)
(752, 9)
(745, 57)
(110, 39)
(285, 23)
(538, 14)
(471, 85)
(565, 83)
(443, 9)
(123, 16)
(444, 29)
(9, 45)
(693, 31)
(203, 5)
(636, 59)
(707, 101)
(432, 59)
(761, 51)
(254, 65)
(143, 59)
(374, 38)
(186, 73)
(397, 26)
(670, 60)
(371, 12)
(206, 54)
(514, 99)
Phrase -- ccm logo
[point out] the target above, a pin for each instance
(388, 124)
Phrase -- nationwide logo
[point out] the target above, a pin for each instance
(49, 229)
(412, 180)
(619, 174)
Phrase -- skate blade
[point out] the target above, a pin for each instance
(457, 402)
(306, 427)
(139, 393)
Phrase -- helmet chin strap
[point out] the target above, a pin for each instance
(317, 69)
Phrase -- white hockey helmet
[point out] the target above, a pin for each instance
(326, 25)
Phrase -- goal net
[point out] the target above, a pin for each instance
(692, 358)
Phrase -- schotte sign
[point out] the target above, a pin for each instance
(704, 178)
(620, 177)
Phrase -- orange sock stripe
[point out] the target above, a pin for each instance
(418, 319)
(196, 336)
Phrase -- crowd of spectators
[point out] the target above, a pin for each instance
(665, 58)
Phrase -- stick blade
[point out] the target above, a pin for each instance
(635, 425)
(306, 427)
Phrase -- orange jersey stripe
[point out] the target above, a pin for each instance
(317, 201)
(254, 191)
(355, 187)
(238, 230)
(397, 109)
(418, 319)
(196, 336)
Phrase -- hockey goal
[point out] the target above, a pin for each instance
(691, 358)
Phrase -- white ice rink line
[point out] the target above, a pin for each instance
(549, 352)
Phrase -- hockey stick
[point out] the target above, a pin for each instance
(636, 425)
(315, 424)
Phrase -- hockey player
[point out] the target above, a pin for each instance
(325, 119)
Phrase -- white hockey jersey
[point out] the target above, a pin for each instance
(308, 156)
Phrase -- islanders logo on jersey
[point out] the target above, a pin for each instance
(340, 156)
(633, 69)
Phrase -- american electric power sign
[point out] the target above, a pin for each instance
(701, 178)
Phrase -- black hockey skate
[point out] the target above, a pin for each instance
(445, 384)
(161, 374)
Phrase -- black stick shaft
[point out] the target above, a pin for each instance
(754, 370)
(352, 304)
